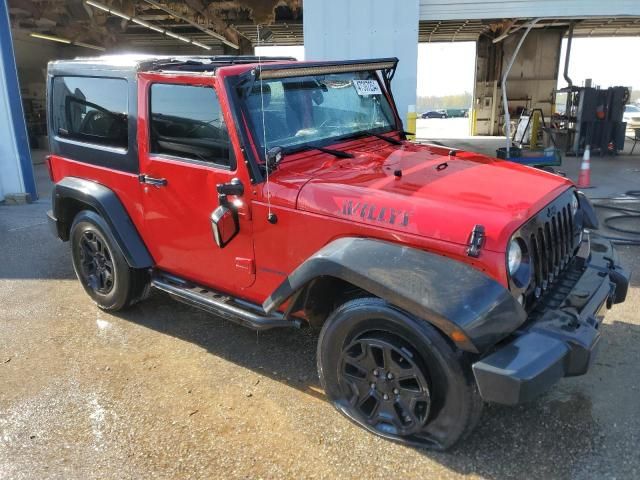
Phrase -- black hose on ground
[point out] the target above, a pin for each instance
(625, 215)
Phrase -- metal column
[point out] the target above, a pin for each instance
(352, 29)
(16, 169)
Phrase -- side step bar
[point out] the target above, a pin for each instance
(235, 310)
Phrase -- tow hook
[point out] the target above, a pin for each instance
(476, 239)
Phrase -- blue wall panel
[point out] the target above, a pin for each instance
(15, 114)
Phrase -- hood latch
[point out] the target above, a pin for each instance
(476, 239)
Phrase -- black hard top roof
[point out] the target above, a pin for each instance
(193, 63)
(127, 65)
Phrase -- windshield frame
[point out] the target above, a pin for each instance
(253, 130)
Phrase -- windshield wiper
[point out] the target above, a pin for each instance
(392, 141)
(364, 133)
(335, 153)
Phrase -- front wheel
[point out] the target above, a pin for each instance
(396, 375)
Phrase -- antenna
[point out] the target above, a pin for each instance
(271, 217)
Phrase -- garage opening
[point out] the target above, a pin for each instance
(604, 62)
(446, 73)
(295, 51)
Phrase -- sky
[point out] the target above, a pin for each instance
(609, 62)
(448, 68)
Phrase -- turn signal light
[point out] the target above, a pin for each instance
(458, 337)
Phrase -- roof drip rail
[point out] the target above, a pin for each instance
(204, 64)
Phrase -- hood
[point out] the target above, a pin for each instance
(421, 190)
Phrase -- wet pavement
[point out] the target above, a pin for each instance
(166, 391)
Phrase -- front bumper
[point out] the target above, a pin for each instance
(561, 337)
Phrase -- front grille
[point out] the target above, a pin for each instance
(551, 248)
(551, 238)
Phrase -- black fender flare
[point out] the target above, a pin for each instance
(449, 294)
(104, 201)
(586, 213)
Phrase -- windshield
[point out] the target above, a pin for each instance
(303, 111)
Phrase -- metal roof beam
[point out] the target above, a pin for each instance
(208, 31)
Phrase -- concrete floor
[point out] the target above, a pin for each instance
(610, 175)
(165, 391)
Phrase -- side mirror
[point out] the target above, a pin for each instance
(317, 97)
(224, 224)
(274, 157)
(234, 187)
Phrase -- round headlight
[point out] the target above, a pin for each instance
(574, 205)
(514, 257)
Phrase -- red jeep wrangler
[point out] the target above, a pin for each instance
(277, 193)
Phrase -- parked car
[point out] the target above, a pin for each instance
(457, 112)
(283, 194)
(631, 115)
(435, 114)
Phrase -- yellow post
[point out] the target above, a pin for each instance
(411, 122)
(473, 118)
(535, 130)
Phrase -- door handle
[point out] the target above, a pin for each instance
(156, 182)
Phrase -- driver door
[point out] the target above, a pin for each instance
(185, 152)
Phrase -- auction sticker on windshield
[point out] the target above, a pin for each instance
(367, 87)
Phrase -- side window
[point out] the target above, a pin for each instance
(187, 122)
(91, 109)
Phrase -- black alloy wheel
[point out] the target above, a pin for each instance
(384, 384)
(101, 266)
(396, 375)
(96, 262)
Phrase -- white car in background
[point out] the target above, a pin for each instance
(631, 115)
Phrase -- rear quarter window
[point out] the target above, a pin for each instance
(92, 110)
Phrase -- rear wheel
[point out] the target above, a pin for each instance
(100, 265)
(396, 375)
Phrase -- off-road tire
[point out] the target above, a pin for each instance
(97, 257)
(443, 412)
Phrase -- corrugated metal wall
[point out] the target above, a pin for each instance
(351, 29)
(475, 9)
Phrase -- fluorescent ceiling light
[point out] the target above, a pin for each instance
(148, 25)
(50, 37)
(108, 10)
(141, 23)
(175, 35)
(87, 45)
(97, 5)
(120, 14)
(66, 41)
(201, 45)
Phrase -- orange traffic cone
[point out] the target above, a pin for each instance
(584, 180)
